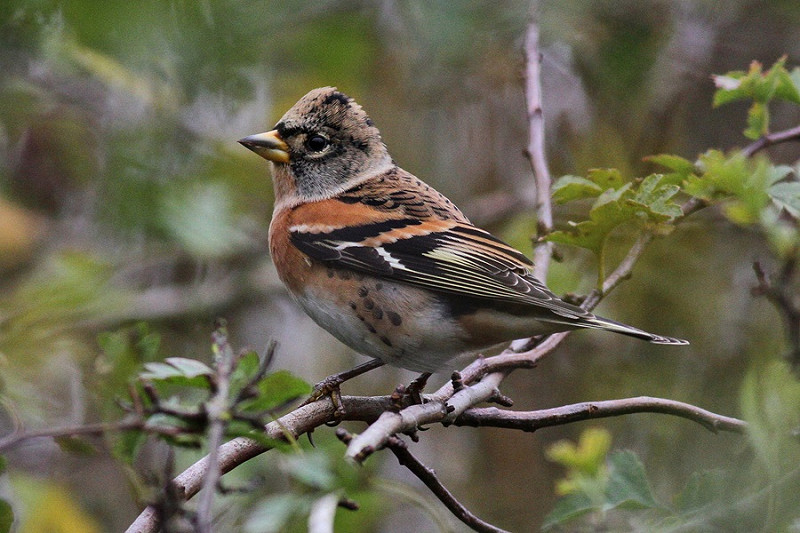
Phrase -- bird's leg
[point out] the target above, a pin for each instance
(330, 385)
(414, 389)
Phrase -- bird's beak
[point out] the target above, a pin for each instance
(268, 145)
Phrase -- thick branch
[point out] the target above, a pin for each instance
(567, 414)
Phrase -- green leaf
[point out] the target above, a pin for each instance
(127, 445)
(606, 178)
(729, 88)
(627, 485)
(179, 371)
(788, 86)
(569, 188)
(275, 390)
(246, 368)
(743, 183)
(682, 167)
(757, 121)
(646, 204)
(568, 508)
(760, 87)
(786, 195)
(6, 516)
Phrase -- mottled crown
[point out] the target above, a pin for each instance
(333, 144)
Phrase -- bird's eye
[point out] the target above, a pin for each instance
(316, 143)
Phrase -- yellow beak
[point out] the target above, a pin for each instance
(268, 145)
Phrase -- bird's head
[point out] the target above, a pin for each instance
(323, 145)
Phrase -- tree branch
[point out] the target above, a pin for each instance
(792, 134)
(429, 478)
(218, 410)
(18, 437)
(567, 414)
(536, 149)
(239, 450)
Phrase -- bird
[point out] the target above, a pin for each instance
(386, 263)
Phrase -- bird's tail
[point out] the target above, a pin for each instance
(618, 327)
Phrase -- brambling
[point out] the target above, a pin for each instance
(386, 263)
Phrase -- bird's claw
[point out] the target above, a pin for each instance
(328, 387)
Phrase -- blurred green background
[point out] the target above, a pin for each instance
(124, 197)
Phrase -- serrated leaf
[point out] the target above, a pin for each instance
(569, 188)
(627, 484)
(568, 508)
(276, 389)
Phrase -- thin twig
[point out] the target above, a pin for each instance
(792, 134)
(567, 414)
(779, 293)
(218, 410)
(431, 480)
(18, 436)
(536, 149)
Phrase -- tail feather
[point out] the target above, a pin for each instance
(618, 327)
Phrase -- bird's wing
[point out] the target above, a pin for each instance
(441, 255)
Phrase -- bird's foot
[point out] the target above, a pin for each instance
(330, 386)
(415, 388)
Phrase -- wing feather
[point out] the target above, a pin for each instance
(447, 256)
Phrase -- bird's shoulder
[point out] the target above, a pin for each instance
(397, 192)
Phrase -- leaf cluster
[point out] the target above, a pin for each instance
(646, 204)
(173, 395)
(760, 88)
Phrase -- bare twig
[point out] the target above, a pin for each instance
(779, 293)
(536, 150)
(792, 134)
(429, 477)
(218, 410)
(19, 436)
(567, 414)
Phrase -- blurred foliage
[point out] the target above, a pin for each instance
(124, 198)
